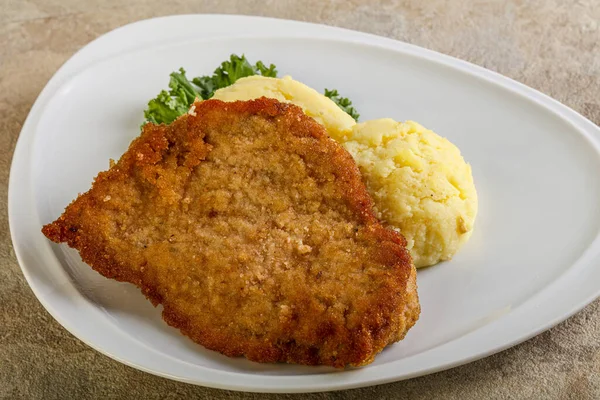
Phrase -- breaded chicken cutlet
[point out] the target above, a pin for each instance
(254, 231)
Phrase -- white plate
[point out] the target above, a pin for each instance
(532, 261)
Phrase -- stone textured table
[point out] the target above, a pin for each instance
(553, 46)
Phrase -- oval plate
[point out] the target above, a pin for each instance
(531, 262)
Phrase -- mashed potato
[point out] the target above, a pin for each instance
(314, 104)
(419, 182)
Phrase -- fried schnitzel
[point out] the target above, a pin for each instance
(254, 231)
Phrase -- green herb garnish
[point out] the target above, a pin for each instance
(343, 102)
(167, 106)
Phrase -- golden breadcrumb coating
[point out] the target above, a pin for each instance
(254, 231)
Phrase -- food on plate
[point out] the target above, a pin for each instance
(254, 231)
(420, 184)
(321, 108)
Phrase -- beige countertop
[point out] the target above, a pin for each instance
(553, 46)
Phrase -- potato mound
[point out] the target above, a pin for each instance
(420, 184)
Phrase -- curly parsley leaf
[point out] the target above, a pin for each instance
(343, 102)
(167, 106)
(261, 68)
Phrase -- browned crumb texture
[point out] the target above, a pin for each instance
(253, 229)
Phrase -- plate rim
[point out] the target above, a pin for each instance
(305, 383)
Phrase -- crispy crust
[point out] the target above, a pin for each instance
(255, 232)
